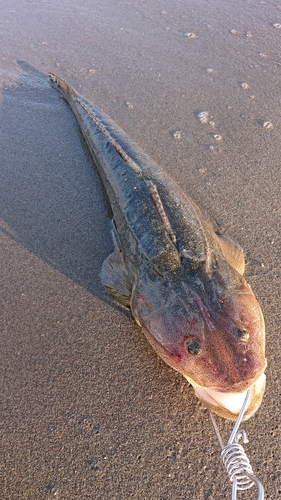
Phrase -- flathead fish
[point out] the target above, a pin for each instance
(183, 282)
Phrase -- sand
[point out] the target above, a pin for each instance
(88, 409)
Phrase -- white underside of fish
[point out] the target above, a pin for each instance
(231, 401)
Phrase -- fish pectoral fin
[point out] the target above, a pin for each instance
(232, 252)
(115, 276)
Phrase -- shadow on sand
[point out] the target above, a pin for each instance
(51, 197)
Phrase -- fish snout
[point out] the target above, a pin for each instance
(220, 367)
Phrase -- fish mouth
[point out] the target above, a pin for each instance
(228, 404)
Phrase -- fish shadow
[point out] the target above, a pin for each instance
(51, 197)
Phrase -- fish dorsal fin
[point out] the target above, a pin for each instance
(115, 276)
(232, 253)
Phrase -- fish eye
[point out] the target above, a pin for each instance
(193, 347)
(242, 334)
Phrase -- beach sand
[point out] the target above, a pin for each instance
(89, 411)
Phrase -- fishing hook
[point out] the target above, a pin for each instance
(235, 459)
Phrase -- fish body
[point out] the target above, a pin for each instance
(183, 282)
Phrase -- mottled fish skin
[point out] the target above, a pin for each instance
(183, 282)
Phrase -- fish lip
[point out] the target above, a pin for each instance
(229, 407)
(238, 387)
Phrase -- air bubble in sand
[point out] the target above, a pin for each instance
(203, 116)
(267, 124)
(176, 134)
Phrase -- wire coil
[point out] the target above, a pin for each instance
(234, 457)
(237, 463)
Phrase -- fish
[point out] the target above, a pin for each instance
(182, 279)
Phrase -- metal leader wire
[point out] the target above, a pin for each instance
(235, 459)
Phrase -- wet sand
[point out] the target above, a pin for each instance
(89, 411)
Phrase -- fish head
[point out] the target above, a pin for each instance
(211, 329)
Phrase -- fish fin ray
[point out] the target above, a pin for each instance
(232, 252)
(161, 210)
(115, 277)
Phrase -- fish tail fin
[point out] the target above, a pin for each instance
(66, 89)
